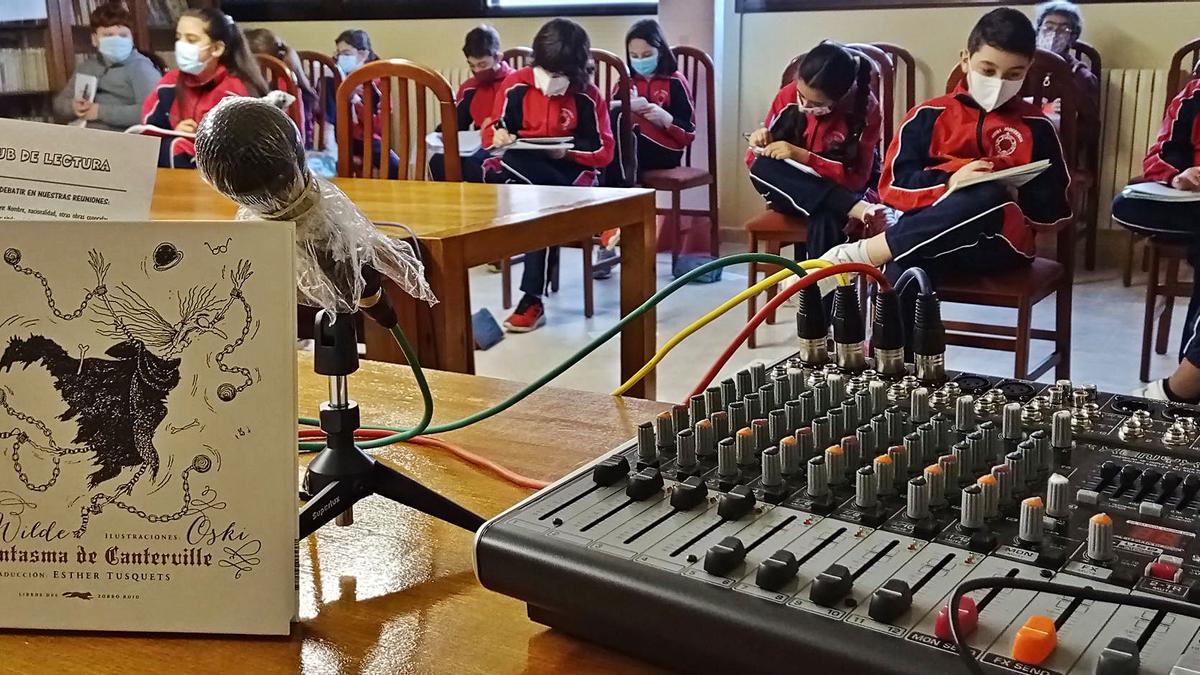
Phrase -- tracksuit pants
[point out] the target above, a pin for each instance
(649, 156)
(1178, 221)
(534, 167)
(823, 202)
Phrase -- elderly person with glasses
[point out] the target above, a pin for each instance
(1059, 25)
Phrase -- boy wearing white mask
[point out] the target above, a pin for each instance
(981, 128)
(124, 77)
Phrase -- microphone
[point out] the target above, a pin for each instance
(252, 152)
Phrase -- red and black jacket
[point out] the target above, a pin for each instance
(477, 100)
(197, 97)
(1177, 148)
(671, 93)
(524, 111)
(821, 135)
(941, 135)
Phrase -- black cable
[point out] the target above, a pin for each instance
(1144, 602)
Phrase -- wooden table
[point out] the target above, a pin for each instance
(395, 592)
(463, 225)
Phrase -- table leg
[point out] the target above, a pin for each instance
(451, 325)
(639, 241)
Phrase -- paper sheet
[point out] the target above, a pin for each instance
(1014, 176)
(469, 142)
(1159, 193)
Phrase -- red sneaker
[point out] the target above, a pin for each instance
(610, 238)
(529, 316)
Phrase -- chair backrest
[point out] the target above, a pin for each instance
(517, 57)
(1088, 55)
(896, 102)
(155, 59)
(394, 77)
(697, 67)
(610, 74)
(279, 76)
(324, 75)
(1183, 68)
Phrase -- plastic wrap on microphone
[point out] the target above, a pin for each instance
(252, 152)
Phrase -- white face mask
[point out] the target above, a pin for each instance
(115, 48)
(816, 111)
(1054, 42)
(550, 84)
(187, 57)
(991, 92)
(348, 63)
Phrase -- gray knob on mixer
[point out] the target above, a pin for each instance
(865, 488)
(713, 401)
(822, 432)
(680, 417)
(977, 451)
(1015, 461)
(835, 465)
(1058, 496)
(878, 391)
(929, 442)
(935, 480)
(744, 443)
(781, 390)
(837, 388)
(1041, 441)
(895, 423)
(879, 426)
(754, 406)
(766, 394)
(1003, 484)
(850, 419)
(727, 464)
(796, 382)
(821, 394)
(912, 449)
(990, 489)
(777, 426)
(837, 422)
(962, 457)
(762, 434)
(686, 461)
(866, 404)
(950, 470)
(1029, 461)
(729, 392)
(791, 412)
(918, 406)
(818, 477)
(867, 445)
(745, 383)
(737, 416)
(758, 375)
(1010, 422)
(1061, 435)
(971, 517)
(964, 413)
(808, 407)
(804, 438)
(1100, 538)
(917, 506)
(993, 450)
(885, 474)
(1031, 524)
(647, 452)
(772, 468)
(697, 409)
(941, 432)
(720, 424)
(899, 457)
(789, 456)
(664, 434)
(852, 452)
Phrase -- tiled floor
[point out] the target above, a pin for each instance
(1107, 333)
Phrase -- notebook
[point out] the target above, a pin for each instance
(791, 162)
(1158, 192)
(1014, 177)
(469, 142)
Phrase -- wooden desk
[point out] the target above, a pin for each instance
(395, 592)
(463, 225)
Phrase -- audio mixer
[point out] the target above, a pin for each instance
(812, 515)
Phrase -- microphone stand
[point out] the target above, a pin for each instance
(342, 474)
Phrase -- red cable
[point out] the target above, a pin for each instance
(807, 280)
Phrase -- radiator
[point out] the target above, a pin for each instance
(1133, 101)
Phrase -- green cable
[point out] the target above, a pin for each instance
(405, 434)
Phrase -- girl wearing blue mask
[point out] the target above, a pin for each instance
(124, 77)
(664, 117)
(213, 62)
(352, 50)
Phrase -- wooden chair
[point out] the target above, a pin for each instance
(1184, 65)
(773, 230)
(1086, 167)
(1020, 289)
(517, 57)
(696, 66)
(394, 76)
(275, 72)
(323, 73)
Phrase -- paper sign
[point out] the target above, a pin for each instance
(50, 172)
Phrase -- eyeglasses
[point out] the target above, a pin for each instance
(1057, 28)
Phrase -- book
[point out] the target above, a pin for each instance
(523, 144)
(1159, 192)
(469, 142)
(548, 140)
(790, 162)
(150, 473)
(151, 130)
(1015, 176)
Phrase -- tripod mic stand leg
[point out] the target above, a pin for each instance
(387, 482)
(334, 499)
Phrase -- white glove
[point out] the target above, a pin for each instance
(658, 116)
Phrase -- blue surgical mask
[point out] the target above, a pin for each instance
(644, 66)
(115, 48)
(187, 58)
(348, 63)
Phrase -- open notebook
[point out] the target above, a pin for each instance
(469, 142)
(1158, 192)
(1015, 177)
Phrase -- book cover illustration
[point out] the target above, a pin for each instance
(147, 427)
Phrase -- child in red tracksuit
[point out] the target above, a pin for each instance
(476, 98)
(554, 97)
(828, 120)
(214, 62)
(981, 128)
(1174, 159)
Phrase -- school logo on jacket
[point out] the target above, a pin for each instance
(566, 118)
(660, 97)
(1005, 141)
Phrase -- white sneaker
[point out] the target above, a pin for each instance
(1153, 391)
(850, 252)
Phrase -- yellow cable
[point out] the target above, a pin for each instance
(714, 314)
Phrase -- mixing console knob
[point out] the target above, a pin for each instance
(680, 417)
(929, 442)
(822, 396)
(971, 517)
(744, 444)
(736, 503)
(890, 601)
(917, 503)
(766, 397)
(720, 424)
(1031, 525)
(762, 434)
(664, 434)
(1036, 640)
(851, 452)
(1041, 444)
(977, 451)
(1015, 462)
(884, 469)
(878, 391)
(1058, 496)
(894, 417)
(1003, 484)
(686, 462)
(935, 481)
(781, 390)
(949, 465)
(918, 408)
(964, 413)
(697, 409)
(822, 432)
(727, 468)
(776, 571)
(808, 448)
(647, 453)
(837, 388)
(1010, 423)
(758, 375)
(914, 453)
(1029, 463)
(962, 458)
(835, 464)
(818, 478)
(644, 484)
(754, 406)
(865, 403)
(865, 488)
(792, 418)
(899, 458)
(830, 586)
(777, 426)
(789, 456)
(850, 420)
(610, 470)
(689, 494)
(989, 490)
(867, 447)
(808, 408)
(1120, 657)
(1100, 538)
(706, 440)
(1061, 437)
(724, 555)
(713, 401)
(737, 416)
(772, 476)
(990, 443)
(729, 392)
(880, 430)
(941, 434)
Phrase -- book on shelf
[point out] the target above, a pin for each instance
(23, 69)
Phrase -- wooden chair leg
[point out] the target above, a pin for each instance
(1062, 329)
(506, 282)
(714, 233)
(588, 305)
(1148, 318)
(676, 225)
(1021, 348)
(752, 301)
(1171, 278)
(1091, 230)
(553, 265)
(774, 248)
(1127, 273)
